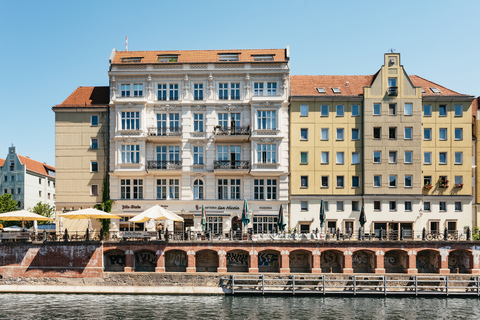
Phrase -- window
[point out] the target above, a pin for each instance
(94, 120)
(198, 155)
(167, 58)
(377, 133)
(214, 225)
(427, 158)
(267, 153)
(324, 110)
(131, 189)
(167, 155)
(377, 205)
(228, 57)
(303, 205)
(198, 189)
(355, 157)
(393, 205)
(12, 178)
(427, 134)
(263, 57)
(340, 133)
(264, 224)
(458, 110)
(174, 188)
(303, 134)
(408, 133)
(442, 158)
(392, 82)
(392, 109)
(94, 166)
(324, 181)
(304, 157)
(377, 109)
(392, 181)
(304, 110)
(427, 110)
(94, 190)
(258, 89)
(235, 187)
(340, 206)
(198, 91)
(458, 157)
(426, 206)
(271, 88)
(458, 181)
(355, 134)
(5, 178)
(408, 181)
(198, 122)
(355, 110)
(458, 134)
(130, 153)
(442, 110)
(303, 181)
(336, 90)
(392, 133)
(162, 189)
(228, 189)
(340, 110)
(427, 180)
(93, 143)
(377, 157)
(340, 181)
(39, 180)
(324, 157)
(168, 124)
(125, 88)
(222, 189)
(324, 134)
(130, 120)
(267, 120)
(408, 205)
(265, 189)
(225, 94)
(458, 206)
(340, 158)
(167, 91)
(442, 134)
(355, 182)
(442, 206)
(408, 157)
(355, 206)
(392, 157)
(137, 90)
(19, 191)
(408, 109)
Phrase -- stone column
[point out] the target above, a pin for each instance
(222, 261)
(379, 261)
(253, 263)
(191, 261)
(444, 262)
(412, 262)
(160, 261)
(129, 261)
(347, 262)
(316, 262)
(476, 262)
(285, 266)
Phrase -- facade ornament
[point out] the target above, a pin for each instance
(229, 107)
(253, 253)
(210, 85)
(222, 253)
(159, 252)
(130, 105)
(285, 253)
(347, 253)
(185, 85)
(149, 85)
(198, 107)
(247, 85)
(190, 252)
(129, 252)
(129, 140)
(167, 108)
(267, 140)
(113, 86)
(379, 253)
(316, 253)
(266, 104)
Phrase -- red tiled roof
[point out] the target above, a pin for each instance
(353, 85)
(2, 161)
(87, 97)
(199, 56)
(475, 106)
(35, 166)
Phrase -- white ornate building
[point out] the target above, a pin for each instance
(206, 127)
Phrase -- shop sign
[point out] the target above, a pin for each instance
(131, 207)
(198, 207)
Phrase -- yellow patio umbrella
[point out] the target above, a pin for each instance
(156, 213)
(22, 215)
(88, 213)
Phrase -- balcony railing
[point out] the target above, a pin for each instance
(165, 131)
(164, 165)
(392, 91)
(231, 165)
(233, 131)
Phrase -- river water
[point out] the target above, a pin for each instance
(63, 306)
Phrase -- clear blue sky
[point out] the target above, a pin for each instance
(49, 48)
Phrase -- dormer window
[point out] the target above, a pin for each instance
(435, 90)
(167, 58)
(336, 90)
(228, 57)
(263, 57)
(132, 60)
(321, 90)
(392, 87)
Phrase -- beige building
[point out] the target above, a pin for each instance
(81, 152)
(385, 142)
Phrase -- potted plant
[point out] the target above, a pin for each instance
(427, 186)
(443, 183)
(458, 185)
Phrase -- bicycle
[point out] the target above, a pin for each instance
(434, 236)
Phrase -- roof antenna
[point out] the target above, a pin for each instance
(126, 43)
(391, 50)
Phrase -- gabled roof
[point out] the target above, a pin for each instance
(36, 166)
(353, 86)
(2, 161)
(87, 97)
(199, 56)
(475, 106)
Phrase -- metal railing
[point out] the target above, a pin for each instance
(232, 131)
(231, 165)
(165, 131)
(164, 165)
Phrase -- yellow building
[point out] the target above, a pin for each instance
(81, 149)
(380, 142)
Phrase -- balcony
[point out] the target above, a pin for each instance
(165, 134)
(164, 165)
(231, 166)
(232, 134)
(393, 91)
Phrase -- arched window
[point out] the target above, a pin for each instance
(198, 189)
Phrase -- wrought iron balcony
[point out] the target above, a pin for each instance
(165, 131)
(232, 131)
(231, 165)
(392, 91)
(164, 165)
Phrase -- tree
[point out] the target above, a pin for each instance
(106, 205)
(43, 209)
(7, 204)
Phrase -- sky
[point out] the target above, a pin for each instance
(49, 48)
